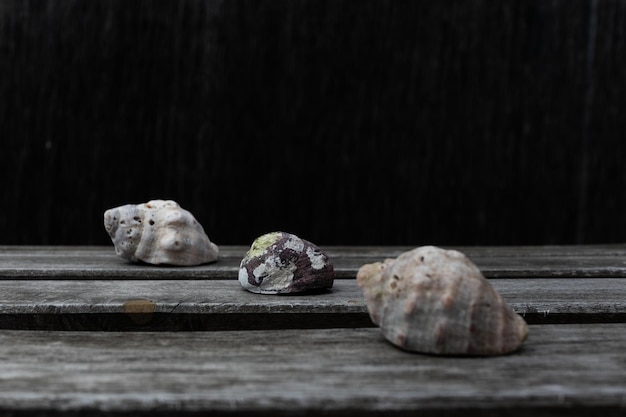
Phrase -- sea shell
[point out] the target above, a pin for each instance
(282, 263)
(158, 232)
(436, 301)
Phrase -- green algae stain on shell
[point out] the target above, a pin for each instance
(282, 263)
(262, 244)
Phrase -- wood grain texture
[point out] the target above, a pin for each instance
(221, 305)
(217, 296)
(142, 340)
(90, 288)
(63, 262)
(571, 370)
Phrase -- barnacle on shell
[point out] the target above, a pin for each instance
(158, 232)
(436, 301)
(282, 263)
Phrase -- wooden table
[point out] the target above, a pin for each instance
(83, 332)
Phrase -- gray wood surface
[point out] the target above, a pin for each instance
(90, 288)
(44, 262)
(563, 369)
(223, 304)
(145, 340)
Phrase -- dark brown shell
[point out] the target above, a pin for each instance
(282, 263)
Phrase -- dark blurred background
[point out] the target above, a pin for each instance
(449, 122)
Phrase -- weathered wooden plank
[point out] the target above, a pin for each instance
(360, 251)
(490, 251)
(564, 369)
(217, 304)
(102, 263)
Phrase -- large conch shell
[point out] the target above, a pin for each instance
(158, 232)
(282, 263)
(436, 301)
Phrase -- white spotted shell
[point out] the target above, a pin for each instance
(436, 301)
(282, 263)
(158, 232)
